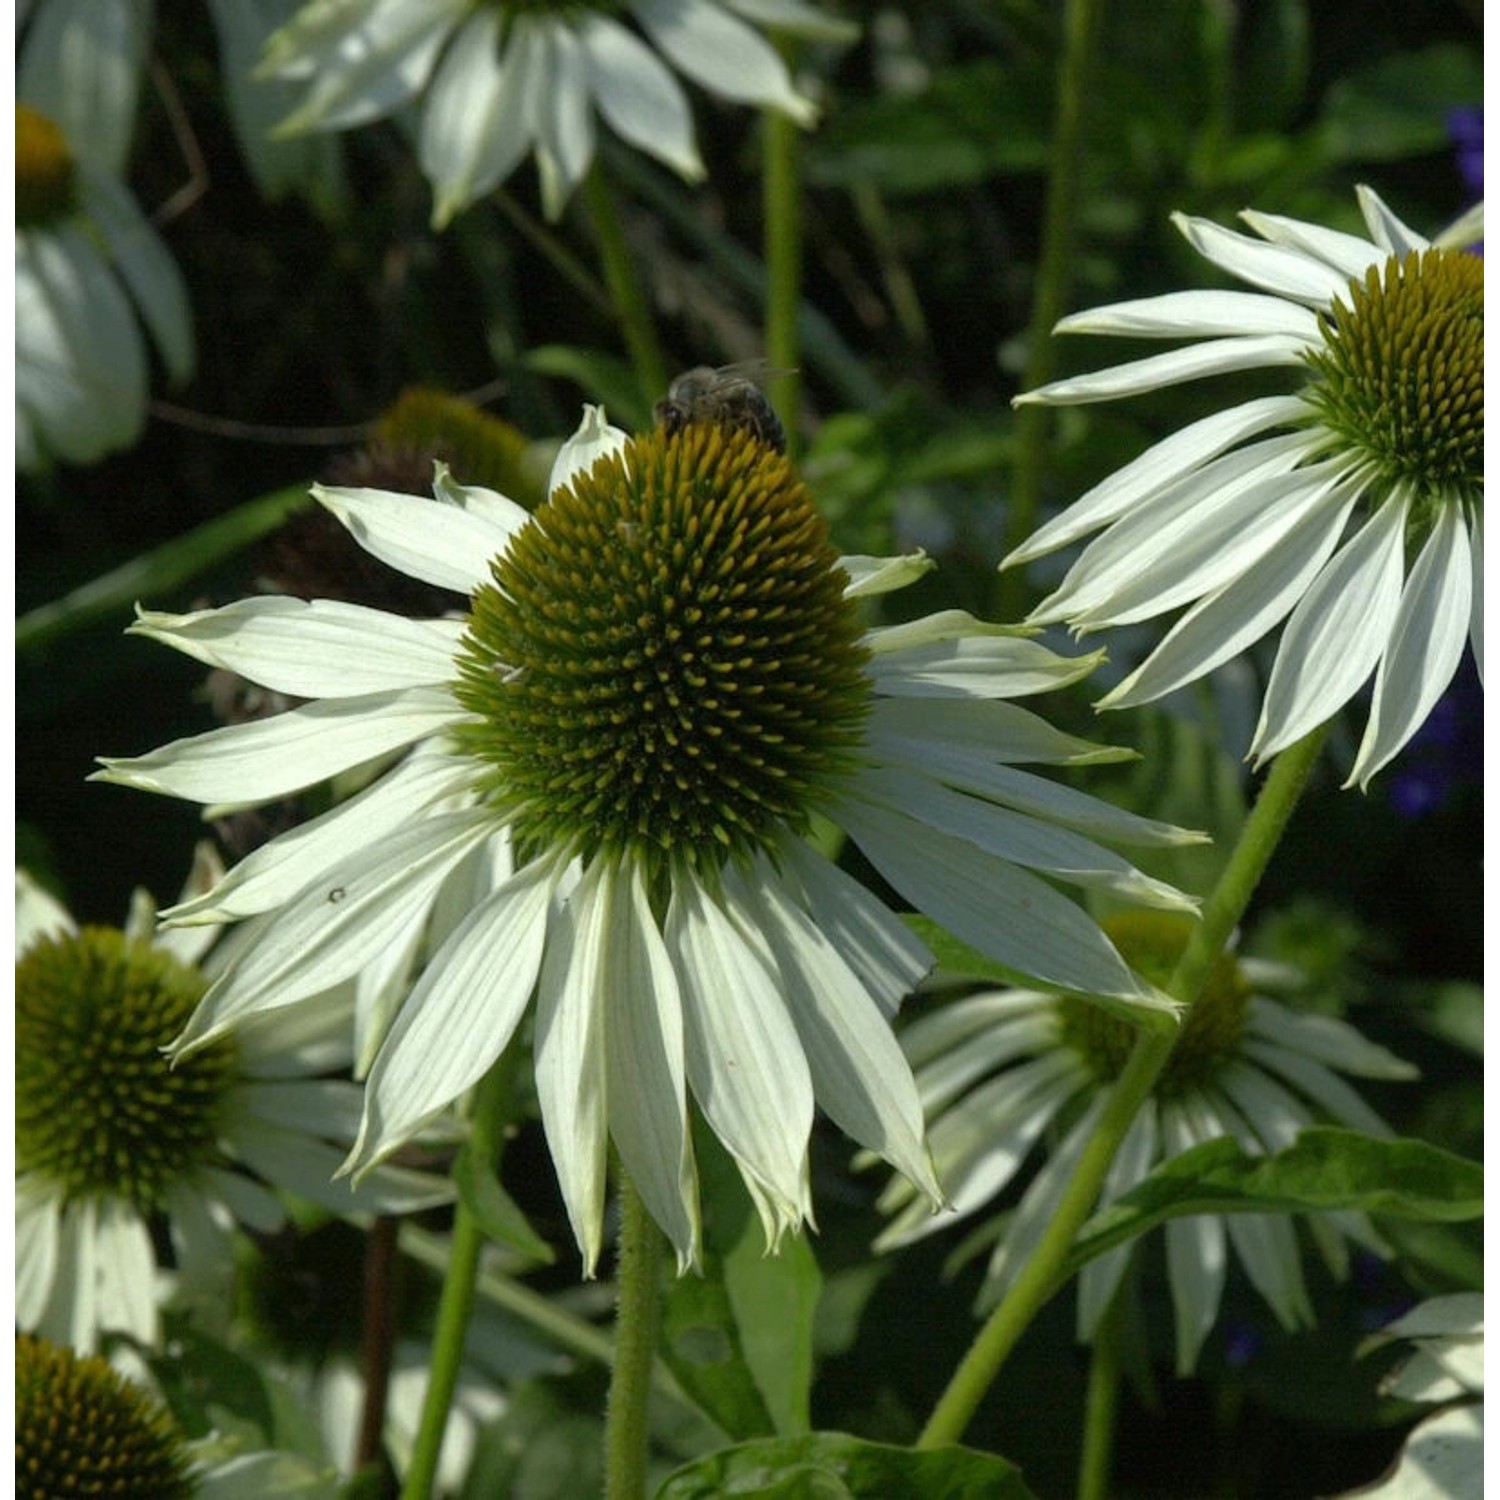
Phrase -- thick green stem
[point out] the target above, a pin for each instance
(1039, 1278)
(491, 1105)
(782, 201)
(1056, 257)
(638, 1312)
(625, 290)
(1102, 1405)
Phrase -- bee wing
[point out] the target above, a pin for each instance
(757, 371)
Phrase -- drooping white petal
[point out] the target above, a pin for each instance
(1394, 237)
(38, 1230)
(939, 664)
(979, 769)
(1100, 1278)
(328, 932)
(987, 732)
(799, 19)
(646, 1066)
(1274, 268)
(1336, 634)
(124, 1267)
(1161, 465)
(1346, 254)
(1179, 366)
(475, 987)
(321, 648)
(595, 439)
(276, 871)
(878, 946)
(1322, 1085)
(960, 1025)
(860, 1078)
(1197, 1259)
(364, 59)
(474, 130)
(744, 1059)
(1224, 623)
(869, 576)
(1016, 838)
(722, 54)
(564, 118)
(440, 544)
(1196, 314)
(638, 95)
(996, 1043)
(1476, 608)
(1204, 520)
(1326, 1040)
(571, 1071)
(1426, 643)
(269, 758)
(1007, 914)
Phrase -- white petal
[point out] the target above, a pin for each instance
(278, 870)
(1385, 228)
(1100, 1278)
(987, 731)
(722, 54)
(1008, 915)
(325, 934)
(1226, 622)
(744, 1058)
(38, 1236)
(1333, 1097)
(962, 1024)
(1275, 268)
(999, 1041)
(883, 575)
(797, 18)
(1346, 254)
(1018, 839)
(1178, 367)
(1336, 633)
(639, 97)
(440, 544)
(1159, 466)
(646, 1066)
(249, 1203)
(595, 439)
(474, 129)
(1426, 643)
(39, 915)
(321, 648)
(1326, 1040)
(564, 119)
(888, 957)
(1197, 1260)
(860, 1078)
(461, 1015)
(125, 1267)
(974, 665)
(474, 499)
(1196, 314)
(1476, 611)
(571, 1075)
(269, 758)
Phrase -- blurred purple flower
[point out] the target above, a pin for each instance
(1446, 753)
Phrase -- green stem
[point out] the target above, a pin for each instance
(1102, 1404)
(492, 1098)
(1056, 257)
(625, 289)
(639, 1308)
(1039, 1278)
(782, 201)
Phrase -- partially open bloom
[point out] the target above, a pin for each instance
(501, 80)
(90, 270)
(599, 790)
(1004, 1070)
(1352, 508)
(113, 1142)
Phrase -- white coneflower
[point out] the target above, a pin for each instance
(614, 760)
(1002, 1070)
(112, 1140)
(1352, 507)
(501, 79)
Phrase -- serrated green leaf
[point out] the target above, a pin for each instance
(835, 1466)
(1325, 1168)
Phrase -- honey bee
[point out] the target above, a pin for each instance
(725, 397)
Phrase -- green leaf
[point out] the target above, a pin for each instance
(1395, 107)
(834, 1466)
(739, 1337)
(604, 378)
(158, 572)
(499, 1216)
(1324, 1168)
